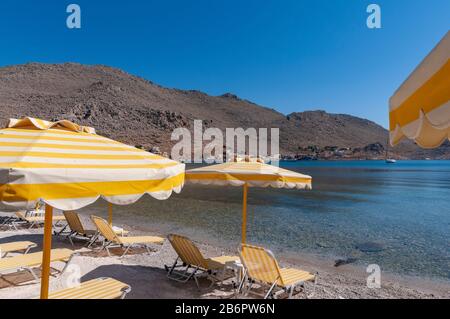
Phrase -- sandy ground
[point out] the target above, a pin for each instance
(146, 275)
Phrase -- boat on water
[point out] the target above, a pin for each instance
(387, 159)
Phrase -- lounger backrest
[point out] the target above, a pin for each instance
(260, 264)
(105, 229)
(187, 251)
(74, 222)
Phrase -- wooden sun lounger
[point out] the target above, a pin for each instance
(261, 267)
(194, 264)
(18, 246)
(100, 288)
(30, 261)
(113, 240)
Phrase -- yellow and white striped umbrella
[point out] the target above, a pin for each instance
(420, 108)
(254, 174)
(248, 174)
(69, 167)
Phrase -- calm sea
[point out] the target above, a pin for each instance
(394, 215)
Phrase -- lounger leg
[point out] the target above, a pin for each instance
(195, 277)
(196, 282)
(69, 237)
(169, 270)
(89, 243)
(126, 250)
(191, 275)
(108, 245)
(241, 283)
(105, 246)
(250, 285)
(61, 231)
(66, 265)
(182, 276)
(271, 289)
(291, 291)
(187, 278)
(93, 240)
(213, 280)
(6, 220)
(314, 287)
(30, 270)
(125, 293)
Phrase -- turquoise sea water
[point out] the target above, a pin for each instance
(394, 215)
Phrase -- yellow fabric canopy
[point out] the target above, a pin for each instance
(248, 173)
(420, 108)
(69, 167)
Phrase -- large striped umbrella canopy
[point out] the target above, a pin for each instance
(248, 174)
(69, 166)
(420, 108)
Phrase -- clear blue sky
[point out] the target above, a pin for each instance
(290, 55)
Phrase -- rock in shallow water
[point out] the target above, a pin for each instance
(322, 244)
(341, 262)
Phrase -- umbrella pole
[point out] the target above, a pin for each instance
(244, 214)
(110, 214)
(47, 247)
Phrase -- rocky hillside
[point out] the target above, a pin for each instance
(139, 112)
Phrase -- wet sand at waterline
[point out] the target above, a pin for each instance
(146, 275)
